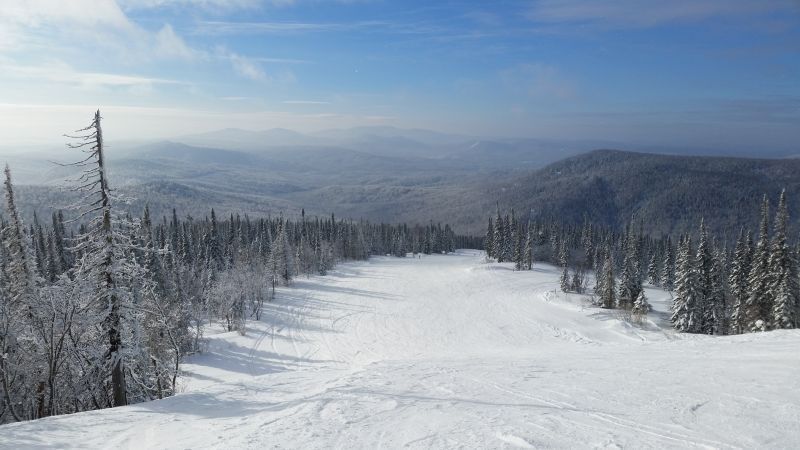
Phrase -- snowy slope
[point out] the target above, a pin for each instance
(450, 352)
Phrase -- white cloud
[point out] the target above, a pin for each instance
(37, 13)
(242, 65)
(59, 72)
(247, 68)
(87, 26)
(170, 45)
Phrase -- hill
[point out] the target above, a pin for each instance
(666, 193)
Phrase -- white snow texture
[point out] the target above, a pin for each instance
(452, 352)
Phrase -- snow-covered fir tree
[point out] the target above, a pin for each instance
(630, 283)
(667, 276)
(738, 279)
(757, 310)
(687, 312)
(607, 288)
(640, 307)
(783, 289)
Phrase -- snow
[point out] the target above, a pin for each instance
(451, 352)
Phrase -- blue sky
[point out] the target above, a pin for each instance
(701, 73)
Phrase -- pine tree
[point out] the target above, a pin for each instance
(562, 260)
(18, 305)
(528, 251)
(488, 242)
(704, 278)
(652, 271)
(640, 307)
(499, 241)
(630, 282)
(213, 244)
(564, 281)
(737, 280)
(668, 269)
(519, 250)
(783, 268)
(758, 306)
(686, 310)
(608, 288)
(716, 310)
(280, 262)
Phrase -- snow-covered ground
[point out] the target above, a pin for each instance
(451, 352)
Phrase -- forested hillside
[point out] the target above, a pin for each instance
(666, 194)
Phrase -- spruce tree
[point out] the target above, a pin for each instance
(716, 310)
(499, 241)
(668, 269)
(653, 272)
(758, 306)
(630, 283)
(686, 310)
(488, 242)
(783, 269)
(528, 251)
(608, 287)
(738, 279)
(703, 272)
(640, 307)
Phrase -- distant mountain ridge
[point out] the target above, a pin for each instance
(665, 193)
(461, 186)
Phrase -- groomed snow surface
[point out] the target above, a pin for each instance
(452, 352)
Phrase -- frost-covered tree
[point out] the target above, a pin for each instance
(630, 283)
(640, 307)
(704, 265)
(499, 240)
(687, 313)
(738, 279)
(783, 268)
(757, 310)
(488, 242)
(102, 254)
(528, 250)
(608, 290)
(562, 259)
(18, 305)
(280, 258)
(716, 303)
(653, 275)
(668, 269)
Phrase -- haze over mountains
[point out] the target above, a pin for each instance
(392, 174)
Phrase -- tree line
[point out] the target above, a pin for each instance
(751, 286)
(99, 310)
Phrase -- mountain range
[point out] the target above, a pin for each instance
(390, 174)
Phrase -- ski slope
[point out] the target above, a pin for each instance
(451, 352)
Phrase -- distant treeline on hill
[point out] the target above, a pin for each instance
(664, 194)
(719, 289)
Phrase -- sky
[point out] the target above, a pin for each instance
(693, 73)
